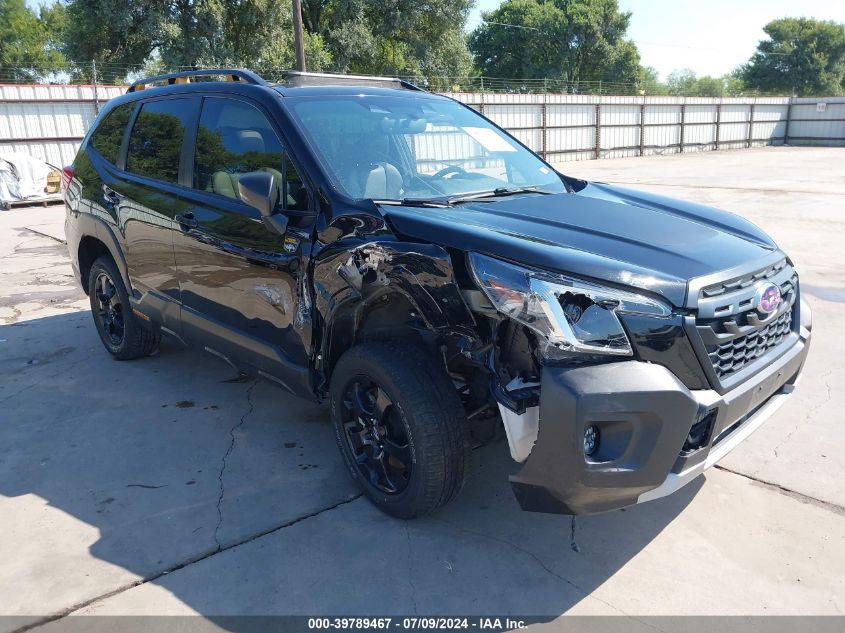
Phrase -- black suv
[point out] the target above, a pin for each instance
(393, 250)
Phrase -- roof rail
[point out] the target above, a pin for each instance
(301, 78)
(232, 74)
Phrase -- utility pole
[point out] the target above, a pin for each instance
(297, 35)
(94, 82)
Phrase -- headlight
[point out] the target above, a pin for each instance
(573, 315)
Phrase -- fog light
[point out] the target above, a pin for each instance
(591, 440)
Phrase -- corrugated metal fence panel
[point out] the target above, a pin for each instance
(662, 131)
(33, 92)
(49, 121)
(699, 127)
(19, 121)
(811, 124)
(769, 124)
(571, 127)
(56, 153)
(734, 126)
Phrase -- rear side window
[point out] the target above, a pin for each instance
(155, 144)
(108, 136)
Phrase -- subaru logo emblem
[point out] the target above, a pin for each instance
(768, 298)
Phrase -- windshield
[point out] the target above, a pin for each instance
(396, 147)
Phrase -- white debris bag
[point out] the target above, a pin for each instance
(23, 177)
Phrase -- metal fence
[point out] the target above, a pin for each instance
(577, 127)
(49, 121)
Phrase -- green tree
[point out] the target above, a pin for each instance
(572, 40)
(685, 83)
(394, 37)
(118, 36)
(29, 47)
(682, 82)
(650, 83)
(253, 33)
(734, 84)
(802, 56)
(125, 36)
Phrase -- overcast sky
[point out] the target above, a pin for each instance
(711, 37)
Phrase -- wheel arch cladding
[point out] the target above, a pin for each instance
(401, 280)
(97, 239)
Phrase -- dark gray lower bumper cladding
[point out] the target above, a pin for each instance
(643, 417)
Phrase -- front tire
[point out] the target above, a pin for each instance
(122, 333)
(400, 427)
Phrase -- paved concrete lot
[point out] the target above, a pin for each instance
(163, 486)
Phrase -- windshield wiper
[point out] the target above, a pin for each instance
(499, 192)
(448, 201)
(416, 202)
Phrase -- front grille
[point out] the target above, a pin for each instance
(731, 356)
(732, 334)
(743, 281)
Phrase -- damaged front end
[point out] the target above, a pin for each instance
(601, 394)
(370, 289)
(607, 434)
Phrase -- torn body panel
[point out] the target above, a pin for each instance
(363, 285)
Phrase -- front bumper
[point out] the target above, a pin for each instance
(644, 415)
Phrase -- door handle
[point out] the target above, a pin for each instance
(186, 221)
(110, 197)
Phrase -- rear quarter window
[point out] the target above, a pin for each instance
(155, 143)
(108, 136)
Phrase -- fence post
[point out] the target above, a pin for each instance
(683, 124)
(94, 82)
(788, 117)
(718, 122)
(544, 127)
(750, 123)
(642, 127)
(598, 131)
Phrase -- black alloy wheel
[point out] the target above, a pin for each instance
(109, 313)
(123, 334)
(376, 435)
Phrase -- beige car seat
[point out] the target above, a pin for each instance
(226, 183)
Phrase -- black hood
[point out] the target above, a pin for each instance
(609, 233)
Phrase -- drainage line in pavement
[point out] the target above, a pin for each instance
(799, 496)
(213, 552)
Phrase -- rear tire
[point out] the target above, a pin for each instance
(123, 334)
(409, 411)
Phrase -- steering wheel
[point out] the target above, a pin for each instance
(450, 169)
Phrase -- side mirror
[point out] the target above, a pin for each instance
(260, 190)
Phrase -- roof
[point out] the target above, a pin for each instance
(342, 90)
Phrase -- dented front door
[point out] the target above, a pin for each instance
(242, 290)
(241, 283)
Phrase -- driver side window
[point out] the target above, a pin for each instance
(235, 138)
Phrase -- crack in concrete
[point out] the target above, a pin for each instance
(573, 545)
(191, 561)
(806, 420)
(798, 496)
(810, 412)
(536, 559)
(411, 570)
(229, 449)
(47, 235)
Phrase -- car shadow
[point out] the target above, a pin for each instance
(231, 496)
